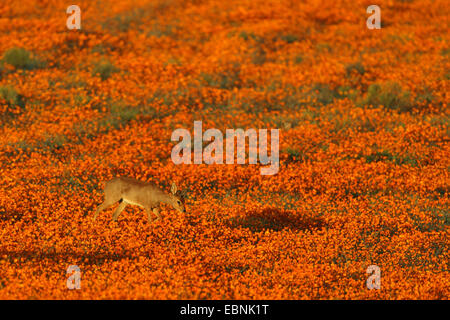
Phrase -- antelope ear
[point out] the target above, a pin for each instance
(174, 188)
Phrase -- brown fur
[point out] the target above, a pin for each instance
(148, 195)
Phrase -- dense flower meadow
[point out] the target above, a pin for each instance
(364, 175)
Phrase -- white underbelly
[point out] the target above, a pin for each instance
(133, 203)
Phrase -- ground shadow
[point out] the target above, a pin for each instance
(276, 220)
(6, 215)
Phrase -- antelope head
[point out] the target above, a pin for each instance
(177, 198)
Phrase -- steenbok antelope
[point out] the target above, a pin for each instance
(144, 194)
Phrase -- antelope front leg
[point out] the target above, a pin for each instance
(156, 211)
(107, 203)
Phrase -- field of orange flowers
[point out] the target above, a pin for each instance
(364, 148)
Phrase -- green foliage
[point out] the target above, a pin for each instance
(120, 115)
(80, 99)
(283, 122)
(52, 143)
(355, 67)
(20, 58)
(389, 95)
(227, 80)
(445, 52)
(160, 30)
(123, 21)
(322, 93)
(99, 48)
(23, 146)
(425, 97)
(251, 36)
(10, 95)
(385, 155)
(440, 219)
(259, 56)
(295, 155)
(123, 112)
(104, 69)
(289, 38)
(323, 46)
(298, 59)
(347, 92)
